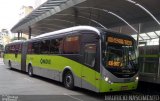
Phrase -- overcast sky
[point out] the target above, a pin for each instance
(9, 10)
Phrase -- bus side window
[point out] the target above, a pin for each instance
(56, 46)
(35, 47)
(20, 48)
(90, 54)
(17, 49)
(44, 47)
(7, 49)
(29, 51)
(72, 45)
(12, 48)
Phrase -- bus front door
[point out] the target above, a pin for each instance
(88, 72)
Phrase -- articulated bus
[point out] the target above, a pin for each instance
(82, 56)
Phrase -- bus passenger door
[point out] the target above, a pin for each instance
(88, 70)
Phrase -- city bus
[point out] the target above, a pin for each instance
(82, 56)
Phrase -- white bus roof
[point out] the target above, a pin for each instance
(68, 30)
(17, 41)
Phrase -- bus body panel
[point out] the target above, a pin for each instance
(115, 83)
(13, 55)
(14, 59)
(54, 70)
(106, 87)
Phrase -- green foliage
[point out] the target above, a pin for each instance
(16, 38)
(1, 47)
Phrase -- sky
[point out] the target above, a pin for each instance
(9, 10)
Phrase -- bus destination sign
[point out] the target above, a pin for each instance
(119, 41)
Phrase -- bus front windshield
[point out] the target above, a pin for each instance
(119, 56)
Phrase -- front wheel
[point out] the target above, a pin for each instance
(30, 71)
(68, 80)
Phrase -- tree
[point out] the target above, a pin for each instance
(16, 38)
(5, 31)
(1, 47)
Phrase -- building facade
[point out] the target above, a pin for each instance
(4, 37)
(38, 3)
(24, 11)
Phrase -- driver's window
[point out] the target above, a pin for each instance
(90, 54)
(115, 56)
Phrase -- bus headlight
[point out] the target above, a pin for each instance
(106, 79)
(137, 78)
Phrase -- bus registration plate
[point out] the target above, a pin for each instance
(124, 87)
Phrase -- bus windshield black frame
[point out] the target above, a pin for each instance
(119, 54)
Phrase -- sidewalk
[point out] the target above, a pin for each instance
(1, 59)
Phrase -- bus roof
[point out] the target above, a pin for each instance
(75, 28)
(16, 41)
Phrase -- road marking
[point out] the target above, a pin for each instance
(1, 65)
(28, 79)
(73, 97)
(3, 92)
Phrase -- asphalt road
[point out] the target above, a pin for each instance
(18, 86)
(15, 84)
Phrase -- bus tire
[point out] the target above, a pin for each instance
(30, 71)
(9, 64)
(68, 80)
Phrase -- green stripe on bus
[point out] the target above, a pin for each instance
(59, 63)
(106, 87)
(150, 55)
(13, 58)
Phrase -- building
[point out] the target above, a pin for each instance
(4, 37)
(1, 38)
(38, 3)
(24, 11)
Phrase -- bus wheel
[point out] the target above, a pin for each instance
(68, 80)
(30, 71)
(9, 64)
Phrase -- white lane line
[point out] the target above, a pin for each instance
(3, 92)
(28, 79)
(1, 65)
(73, 97)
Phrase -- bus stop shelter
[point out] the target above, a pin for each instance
(126, 16)
(139, 18)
